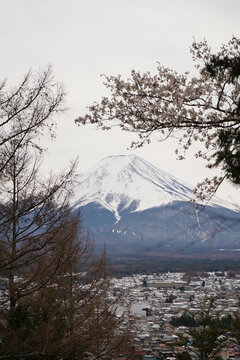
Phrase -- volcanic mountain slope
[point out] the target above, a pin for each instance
(130, 205)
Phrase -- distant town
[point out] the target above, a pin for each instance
(152, 304)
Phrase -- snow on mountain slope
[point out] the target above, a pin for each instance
(128, 181)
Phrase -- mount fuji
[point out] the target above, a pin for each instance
(133, 207)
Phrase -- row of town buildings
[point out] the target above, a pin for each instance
(150, 303)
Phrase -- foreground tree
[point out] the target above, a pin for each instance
(33, 213)
(71, 318)
(208, 336)
(201, 109)
(29, 109)
(56, 290)
(36, 225)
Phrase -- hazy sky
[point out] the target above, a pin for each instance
(85, 38)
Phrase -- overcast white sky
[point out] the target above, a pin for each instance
(85, 38)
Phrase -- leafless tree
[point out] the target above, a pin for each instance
(28, 109)
(56, 302)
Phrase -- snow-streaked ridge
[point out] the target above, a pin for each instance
(118, 182)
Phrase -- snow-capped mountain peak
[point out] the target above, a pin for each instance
(132, 207)
(128, 181)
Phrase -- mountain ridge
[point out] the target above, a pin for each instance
(132, 207)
